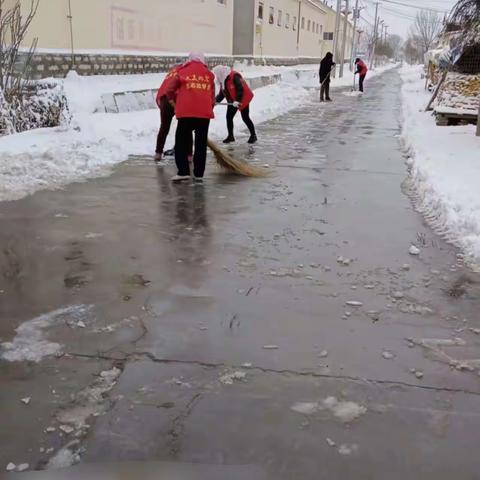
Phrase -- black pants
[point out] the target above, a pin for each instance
(232, 111)
(183, 142)
(325, 90)
(360, 82)
(166, 116)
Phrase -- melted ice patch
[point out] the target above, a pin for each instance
(345, 411)
(30, 343)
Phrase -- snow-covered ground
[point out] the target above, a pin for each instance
(445, 164)
(93, 142)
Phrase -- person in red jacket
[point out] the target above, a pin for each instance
(362, 72)
(192, 94)
(235, 89)
(166, 113)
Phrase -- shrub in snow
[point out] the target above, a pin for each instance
(41, 104)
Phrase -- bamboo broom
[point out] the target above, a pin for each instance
(233, 165)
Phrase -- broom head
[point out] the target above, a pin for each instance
(233, 165)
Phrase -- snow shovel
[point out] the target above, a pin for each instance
(354, 87)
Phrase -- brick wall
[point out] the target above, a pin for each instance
(53, 65)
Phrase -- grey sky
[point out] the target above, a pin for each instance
(399, 18)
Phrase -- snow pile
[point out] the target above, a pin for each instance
(445, 168)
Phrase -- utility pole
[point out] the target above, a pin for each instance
(386, 35)
(478, 122)
(375, 29)
(337, 31)
(356, 16)
(344, 41)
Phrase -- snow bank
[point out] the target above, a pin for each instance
(445, 168)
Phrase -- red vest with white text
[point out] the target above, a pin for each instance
(196, 93)
(232, 93)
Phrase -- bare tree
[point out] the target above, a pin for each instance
(427, 27)
(15, 62)
(413, 49)
(395, 42)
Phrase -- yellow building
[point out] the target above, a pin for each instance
(133, 25)
(259, 28)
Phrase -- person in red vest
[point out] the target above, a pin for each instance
(192, 94)
(235, 89)
(166, 113)
(362, 72)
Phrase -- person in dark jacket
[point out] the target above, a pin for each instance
(362, 70)
(235, 89)
(326, 66)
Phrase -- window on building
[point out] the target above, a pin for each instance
(260, 11)
(321, 29)
(294, 23)
(279, 19)
(287, 20)
(131, 29)
(120, 29)
(222, 2)
(308, 25)
(303, 23)
(328, 36)
(317, 28)
(271, 16)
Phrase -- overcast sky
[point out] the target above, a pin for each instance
(399, 18)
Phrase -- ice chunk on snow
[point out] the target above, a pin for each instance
(388, 355)
(26, 400)
(65, 457)
(330, 442)
(354, 303)
(413, 250)
(347, 449)
(230, 378)
(23, 467)
(66, 429)
(307, 408)
(344, 411)
(11, 467)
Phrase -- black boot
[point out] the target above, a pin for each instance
(229, 139)
(253, 139)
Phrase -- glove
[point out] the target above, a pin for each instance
(236, 104)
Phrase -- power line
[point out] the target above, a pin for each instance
(409, 5)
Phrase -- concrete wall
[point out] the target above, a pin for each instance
(243, 27)
(58, 65)
(136, 25)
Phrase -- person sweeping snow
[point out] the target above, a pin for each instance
(192, 94)
(362, 70)
(235, 89)
(166, 113)
(326, 66)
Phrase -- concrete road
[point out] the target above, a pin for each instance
(279, 322)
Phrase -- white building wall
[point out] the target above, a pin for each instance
(291, 28)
